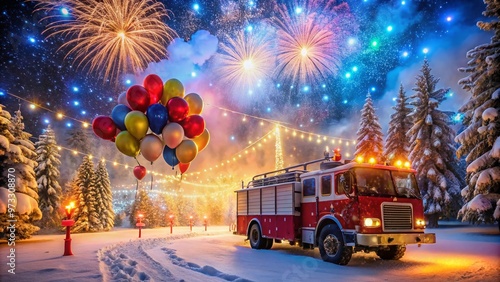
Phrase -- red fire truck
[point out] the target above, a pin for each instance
(341, 208)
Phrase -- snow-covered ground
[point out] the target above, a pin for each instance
(462, 253)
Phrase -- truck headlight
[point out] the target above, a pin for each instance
(371, 222)
(419, 223)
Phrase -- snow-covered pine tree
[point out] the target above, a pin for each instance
(397, 144)
(79, 140)
(142, 205)
(369, 135)
(480, 141)
(104, 198)
(18, 160)
(431, 150)
(85, 215)
(47, 175)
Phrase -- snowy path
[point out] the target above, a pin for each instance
(463, 253)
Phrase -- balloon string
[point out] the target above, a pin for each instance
(151, 181)
(137, 161)
(136, 187)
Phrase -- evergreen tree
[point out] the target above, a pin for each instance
(142, 205)
(78, 140)
(17, 162)
(431, 150)
(397, 144)
(85, 215)
(104, 198)
(369, 135)
(480, 141)
(47, 174)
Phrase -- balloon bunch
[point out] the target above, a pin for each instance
(155, 119)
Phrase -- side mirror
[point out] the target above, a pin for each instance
(346, 182)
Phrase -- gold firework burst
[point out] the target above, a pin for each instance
(110, 37)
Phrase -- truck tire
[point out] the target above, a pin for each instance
(331, 245)
(256, 240)
(392, 252)
(269, 243)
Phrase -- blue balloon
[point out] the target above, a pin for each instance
(158, 117)
(170, 157)
(118, 116)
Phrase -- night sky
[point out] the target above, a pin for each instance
(380, 44)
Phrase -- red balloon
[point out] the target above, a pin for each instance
(104, 127)
(139, 172)
(154, 86)
(184, 167)
(193, 126)
(178, 109)
(138, 98)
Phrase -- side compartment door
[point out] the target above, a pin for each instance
(242, 212)
(268, 219)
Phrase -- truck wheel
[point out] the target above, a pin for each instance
(256, 240)
(269, 243)
(392, 252)
(331, 245)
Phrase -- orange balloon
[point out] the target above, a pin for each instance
(195, 103)
(186, 151)
(202, 140)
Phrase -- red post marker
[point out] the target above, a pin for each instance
(68, 222)
(205, 220)
(171, 222)
(139, 223)
(190, 223)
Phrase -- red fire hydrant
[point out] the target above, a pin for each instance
(190, 223)
(68, 222)
(205, 221)
(171, 222)
(139, 223)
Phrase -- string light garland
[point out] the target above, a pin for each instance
(319, 139)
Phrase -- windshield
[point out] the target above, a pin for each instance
(378, 182)
(406, 184)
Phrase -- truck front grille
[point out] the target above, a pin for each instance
(397, 217)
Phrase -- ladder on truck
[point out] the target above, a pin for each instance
(284, 175)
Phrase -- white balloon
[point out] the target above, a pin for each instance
(122, 99)
(172, 134)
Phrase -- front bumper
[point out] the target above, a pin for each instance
(372, 240)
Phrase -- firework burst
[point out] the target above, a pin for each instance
(309, 41)
(110, 37)
(246, 60)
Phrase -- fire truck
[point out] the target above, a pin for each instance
(341, 208)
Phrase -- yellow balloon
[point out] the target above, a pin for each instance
(195, 103)
(127, 144)
(186, 151)
(137, 124)
(172, 88)
(202, 140)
